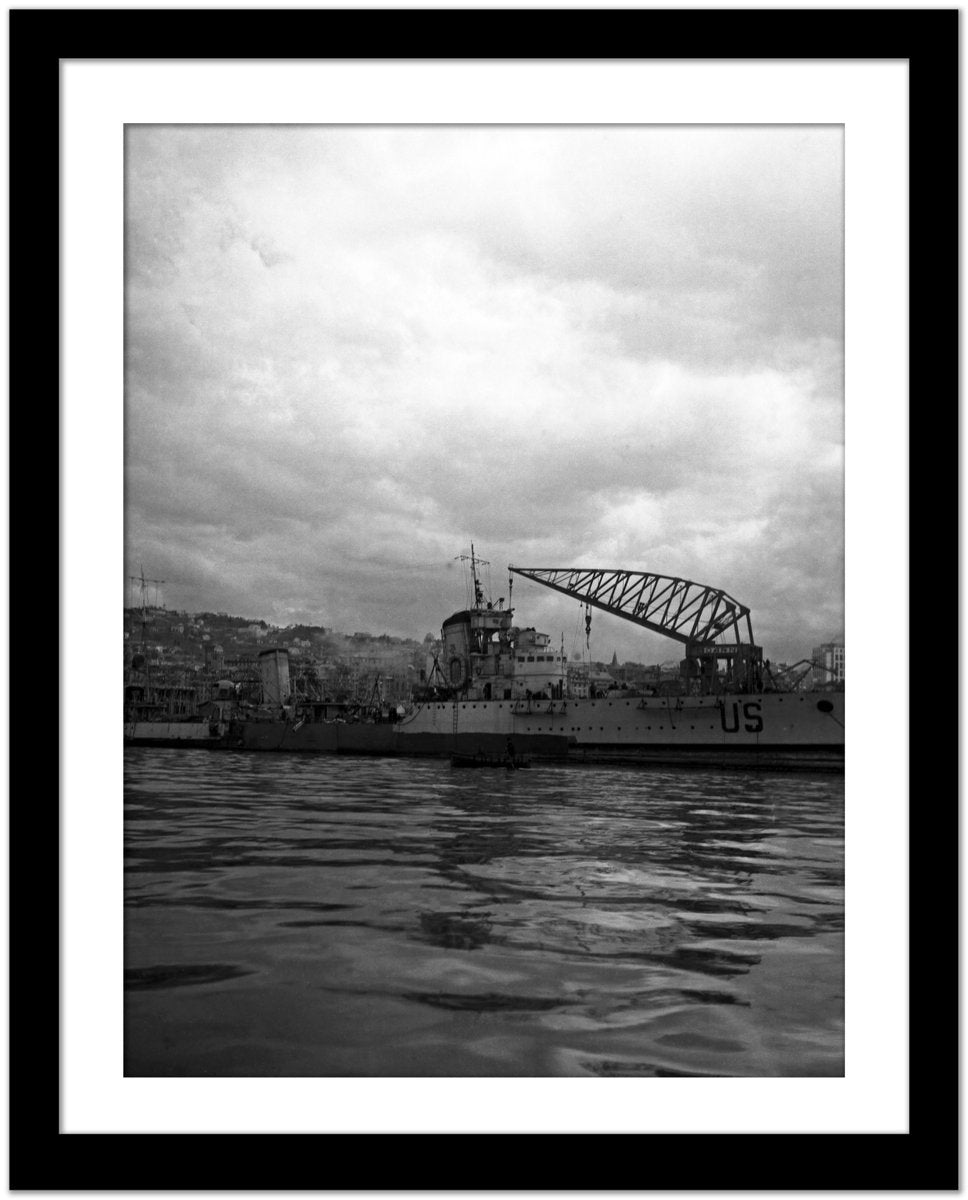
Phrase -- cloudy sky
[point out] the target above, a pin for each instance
(351, 351)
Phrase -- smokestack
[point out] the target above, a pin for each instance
(274, 671)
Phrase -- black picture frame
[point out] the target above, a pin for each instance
(925, 1158)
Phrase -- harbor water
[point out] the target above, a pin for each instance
(324, 915)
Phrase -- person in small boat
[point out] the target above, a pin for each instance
(509, 750)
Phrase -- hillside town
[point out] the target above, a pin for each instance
(198, 650)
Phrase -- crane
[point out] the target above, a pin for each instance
(694, 614)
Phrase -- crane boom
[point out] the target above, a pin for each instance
(678, 608)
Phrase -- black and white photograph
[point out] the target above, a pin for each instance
(487, 430)
(484, 640)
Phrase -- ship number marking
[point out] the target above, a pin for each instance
(751, 716)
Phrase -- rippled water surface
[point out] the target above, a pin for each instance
(323, 915)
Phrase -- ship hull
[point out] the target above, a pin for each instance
(337, 737)
(765, 730)
(786, 758)
(764, 719)
(171, 734)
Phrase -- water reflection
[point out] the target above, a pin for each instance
(592, 920)
(640, 873)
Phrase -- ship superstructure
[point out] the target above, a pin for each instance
(484, 656)
(489, 658)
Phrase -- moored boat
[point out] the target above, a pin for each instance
(507, 763)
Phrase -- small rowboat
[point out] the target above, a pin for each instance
(490, 760)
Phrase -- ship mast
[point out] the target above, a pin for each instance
(144, 629)
(475, 563)
(140, 579)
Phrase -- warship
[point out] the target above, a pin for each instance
(496, 689)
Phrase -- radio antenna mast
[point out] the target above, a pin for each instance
(475, 563)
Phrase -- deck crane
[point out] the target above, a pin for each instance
(710, 623)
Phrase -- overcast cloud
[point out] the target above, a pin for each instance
(351, 351)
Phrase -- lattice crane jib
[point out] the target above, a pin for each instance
(705, 619)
